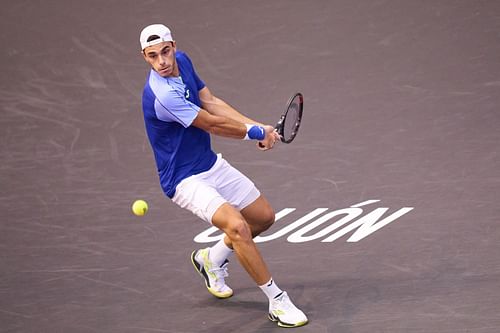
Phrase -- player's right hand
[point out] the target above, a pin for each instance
(271, 138)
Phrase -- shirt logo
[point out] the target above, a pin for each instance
(185, 88)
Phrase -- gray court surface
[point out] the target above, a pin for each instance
(391, 187)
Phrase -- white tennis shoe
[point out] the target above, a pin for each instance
(213, 275)
(285, 313)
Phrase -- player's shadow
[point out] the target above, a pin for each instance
(250, 311)
(329, 304)
(246, 298)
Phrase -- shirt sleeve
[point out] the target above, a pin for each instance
(170, 103)
(176, 108)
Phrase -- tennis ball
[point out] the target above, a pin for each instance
(140, 207)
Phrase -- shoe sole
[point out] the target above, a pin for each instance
(203, 274)
(285, 325)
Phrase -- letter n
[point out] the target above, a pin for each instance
(368, 224)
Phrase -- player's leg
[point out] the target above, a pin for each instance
(222, 207)
(254, 207)
(240, 192)
(259, 215)
(198, 195)
(212, 262)
(239, 237)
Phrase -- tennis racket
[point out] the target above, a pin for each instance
(289, 122)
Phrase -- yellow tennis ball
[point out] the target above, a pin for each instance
(140, 207)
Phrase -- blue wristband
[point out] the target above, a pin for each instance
(255, 132)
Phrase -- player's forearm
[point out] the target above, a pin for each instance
(220, 125)
(227, 127)
(218, 107)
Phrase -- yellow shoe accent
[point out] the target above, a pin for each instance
(213, 276)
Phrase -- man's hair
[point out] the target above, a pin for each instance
(153, 37)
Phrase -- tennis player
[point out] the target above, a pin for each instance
(180, 113)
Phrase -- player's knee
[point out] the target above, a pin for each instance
(264, 222)
(268, 218)
(238, 230)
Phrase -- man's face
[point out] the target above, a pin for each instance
(161, 57)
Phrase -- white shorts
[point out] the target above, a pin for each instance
(205, 192)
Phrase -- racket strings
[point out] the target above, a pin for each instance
(292, 119)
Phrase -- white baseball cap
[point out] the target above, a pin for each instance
(155, 30)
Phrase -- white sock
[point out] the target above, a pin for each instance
(271, 289)
(219, 253)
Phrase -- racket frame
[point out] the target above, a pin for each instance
(280, 125)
